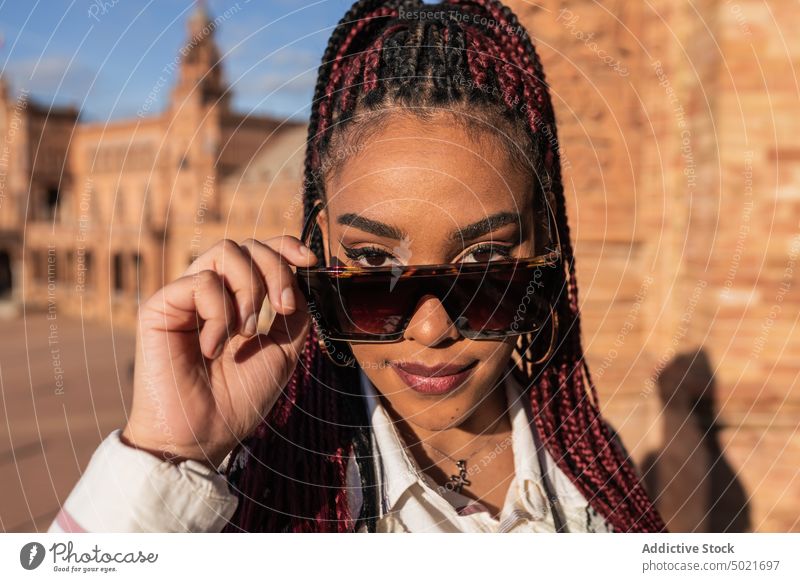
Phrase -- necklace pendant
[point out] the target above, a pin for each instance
(459, 481)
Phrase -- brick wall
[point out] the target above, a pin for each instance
(681, 176)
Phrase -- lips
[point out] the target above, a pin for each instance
(436, 379)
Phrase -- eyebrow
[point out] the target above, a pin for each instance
(467, 233)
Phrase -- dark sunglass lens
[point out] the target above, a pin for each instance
(375, 305)
(497, 302)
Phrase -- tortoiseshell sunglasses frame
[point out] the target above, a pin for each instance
(550, 259)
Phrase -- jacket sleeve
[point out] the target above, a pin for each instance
(127, 490)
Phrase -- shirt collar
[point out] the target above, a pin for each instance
(526, 462)
(527, 443)
(400, 470)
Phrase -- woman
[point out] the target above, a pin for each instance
(447, 398)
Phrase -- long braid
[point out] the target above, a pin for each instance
(291, 474)
(609, 475)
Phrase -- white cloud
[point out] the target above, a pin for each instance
(53, 76)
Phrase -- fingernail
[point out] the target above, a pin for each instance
(304, 250)
(287, 298)
(250, 325)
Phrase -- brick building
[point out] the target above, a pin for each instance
(112, 210)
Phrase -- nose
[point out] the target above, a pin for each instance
(431, 325)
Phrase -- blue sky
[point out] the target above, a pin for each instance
(106, 56)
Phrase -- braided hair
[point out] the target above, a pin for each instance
(385, 56)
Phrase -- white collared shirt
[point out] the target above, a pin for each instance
(127, 490)
(411, 501)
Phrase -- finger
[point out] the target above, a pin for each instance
(281, 284)
(215, 307)
(200, 301)
(292, 250)
(298, 254)
(241, 277)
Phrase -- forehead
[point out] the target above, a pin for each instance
(428, 171)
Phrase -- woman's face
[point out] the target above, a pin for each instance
(422, 192)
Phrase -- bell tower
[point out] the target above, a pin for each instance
(200, 77)
(199, 104)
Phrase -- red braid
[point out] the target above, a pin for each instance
(341, 65)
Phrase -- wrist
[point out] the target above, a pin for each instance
(163, 453)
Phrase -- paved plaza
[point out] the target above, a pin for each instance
(64, 385)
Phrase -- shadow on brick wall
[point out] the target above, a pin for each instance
(695, 487)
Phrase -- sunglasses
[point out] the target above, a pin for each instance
(484, 300)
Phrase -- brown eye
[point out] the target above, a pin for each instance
(374, 260)
(487, 252)
(369, 257)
